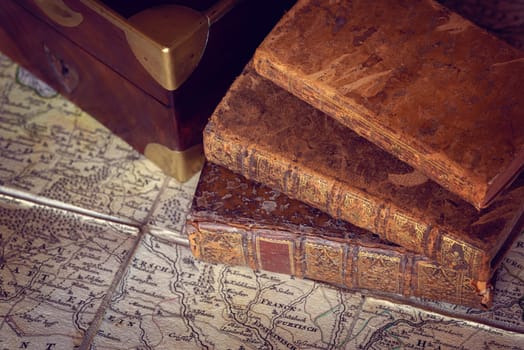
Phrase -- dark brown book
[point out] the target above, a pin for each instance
(415, 78)
(239, 222)
(263, 132)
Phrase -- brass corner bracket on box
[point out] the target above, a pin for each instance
(168, 40)
(181, 165)
(168, 52)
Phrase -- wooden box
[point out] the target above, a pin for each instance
(151, 71)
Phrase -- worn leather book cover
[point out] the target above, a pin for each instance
(240, 222)
(415, 78)
(263, 132)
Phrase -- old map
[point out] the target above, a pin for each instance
(93, 256)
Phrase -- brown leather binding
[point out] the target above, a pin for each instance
(413, 77)
(266, 134)
(240, 222)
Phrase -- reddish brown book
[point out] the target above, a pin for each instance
(266, 134)
(239, 222)
(414, 78)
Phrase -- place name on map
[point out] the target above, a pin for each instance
(148, 281)
(237, 329)
(305, 344)
(265, 276)
(151, 294)
(145, 266)
(297, 326)
(268, 302)
(38, 319)
(240, 284)
(240, 274)
(513, 263)
(30, 345)
(234, 292)
(281, 290)
(183, 338)
(294, 318)
(272, 334)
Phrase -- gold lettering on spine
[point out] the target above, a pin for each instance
(324, 262)
(222, 247)
(453, 286)
(431, 275)
(232, 156)
(313, 190)
(458, 255)
(378, 271)
(469, 294)
(220, 152)
(268, 171)
(359, 210)
(406, 231)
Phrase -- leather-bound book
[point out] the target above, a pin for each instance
(240, 222)
(413, 77)
(263, 132)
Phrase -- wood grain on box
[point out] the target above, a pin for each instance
(90, 59)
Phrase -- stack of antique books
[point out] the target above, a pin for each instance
(374, 146)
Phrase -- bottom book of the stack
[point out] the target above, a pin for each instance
(240, 222)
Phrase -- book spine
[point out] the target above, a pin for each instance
(359, 119)
(344, 202)
(383, 271)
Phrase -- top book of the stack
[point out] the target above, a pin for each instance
(414, 78)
